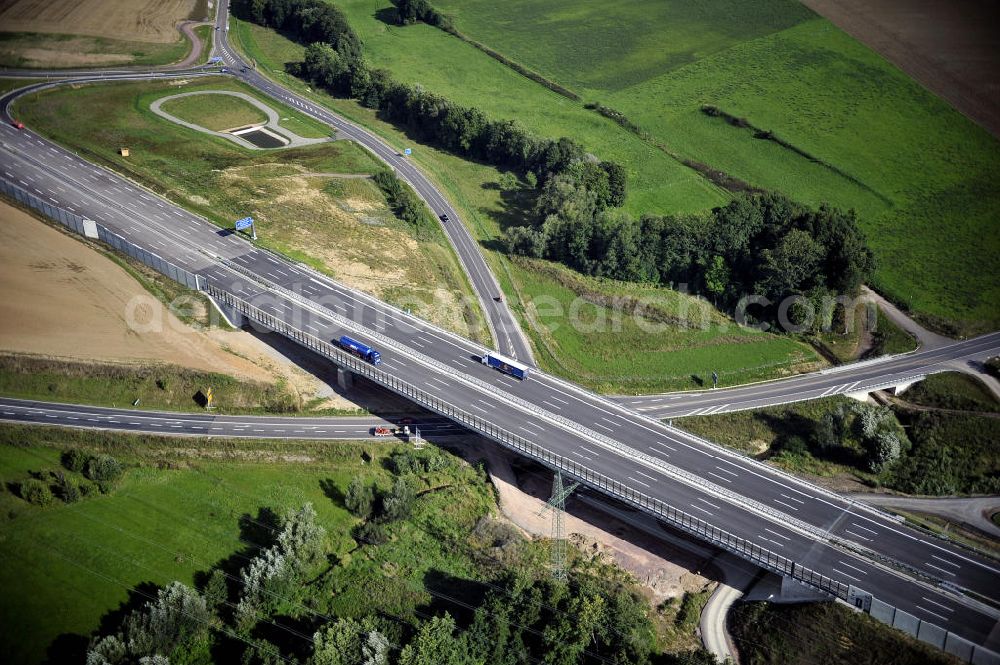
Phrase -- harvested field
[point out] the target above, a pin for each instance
(59, 298)
(949, 47)
(127, 20)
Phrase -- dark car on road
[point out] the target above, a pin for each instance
(444, 218)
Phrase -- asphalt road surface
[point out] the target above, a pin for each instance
(844, 379)
(212, 424)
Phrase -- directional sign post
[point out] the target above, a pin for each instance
(247, 223)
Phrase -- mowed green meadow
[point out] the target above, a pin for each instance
(650, 361)
(921, 176)
(67, 565)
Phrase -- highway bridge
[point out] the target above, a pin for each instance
(771, 518)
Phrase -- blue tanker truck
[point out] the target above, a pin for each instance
(362, 351)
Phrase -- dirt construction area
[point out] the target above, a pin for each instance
(951, 47)
(127, 20)
(60, 298)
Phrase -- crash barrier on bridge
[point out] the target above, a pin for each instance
(677, 518)
(79, 224)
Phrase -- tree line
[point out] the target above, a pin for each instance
(761, 244)
(333, 61)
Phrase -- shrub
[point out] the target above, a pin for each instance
(103, 469)
(373, 533)
(74, 460)
(35, 492)
(359, 498)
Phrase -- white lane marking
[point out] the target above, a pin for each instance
(844, 563)
(785, 504)
(697, 507)
(554, 406)
(660, 450)
(646, 475)
(605, 427)
(933, 613)
(731, 473)
(776, 534)
(857, 535)
(864, 528)
(592, 452)
(579, 454)
(945, 561)
(723, 478)
(771, 540)
(635, 480)
(840, 572)
(934, 602)
(792, 498)
(706, 501)
(946, 572)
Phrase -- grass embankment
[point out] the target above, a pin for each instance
(179, 510)
(850, 124)
(822, 633)
(885, 338)
(952, 390)
(215, 112)
(158, 386)
(948, 454)
(340, 226)
(487, 210)
(6, 85)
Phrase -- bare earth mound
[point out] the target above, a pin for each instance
(152, 21)
(952, 47)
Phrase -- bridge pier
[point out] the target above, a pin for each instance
(345, 378)
(862, 396)
(230, 315)
(898, 390)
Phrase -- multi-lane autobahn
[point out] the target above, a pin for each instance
(783, 514)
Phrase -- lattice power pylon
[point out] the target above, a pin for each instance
(558, 505)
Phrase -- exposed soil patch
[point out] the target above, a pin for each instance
(949, 47)
(152, 21)
(60, 298)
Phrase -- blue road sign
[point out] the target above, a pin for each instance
(407, 152)
(244, 223)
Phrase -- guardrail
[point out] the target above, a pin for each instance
(78, 224)
(677, 518)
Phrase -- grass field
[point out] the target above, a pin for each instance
(215, 112)
(785, 70)
(471, 187)
(421, 54)
(613, 350)
(177, 511)
(302, 206)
